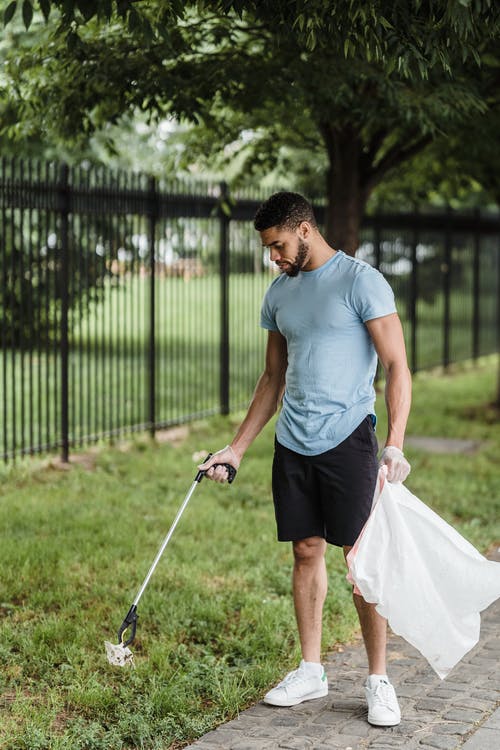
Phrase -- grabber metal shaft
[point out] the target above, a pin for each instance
(165, 542)
(130, 620)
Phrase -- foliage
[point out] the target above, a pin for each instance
(368, 85)
(414, 39)
(462, 167)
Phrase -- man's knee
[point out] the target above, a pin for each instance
(309, 550)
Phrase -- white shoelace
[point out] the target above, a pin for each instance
(298, 675)
(384, 694)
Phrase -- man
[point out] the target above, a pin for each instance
(328, 316)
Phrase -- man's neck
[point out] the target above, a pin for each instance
(319, 254)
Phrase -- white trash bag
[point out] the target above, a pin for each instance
(426, 579)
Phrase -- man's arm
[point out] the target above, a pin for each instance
(387, 337)
(265, 401)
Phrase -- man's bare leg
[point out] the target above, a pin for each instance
(383, 707)
(374, 631)
(309, 592)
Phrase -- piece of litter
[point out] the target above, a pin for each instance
(118, 655)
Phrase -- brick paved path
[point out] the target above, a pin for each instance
(462, 711)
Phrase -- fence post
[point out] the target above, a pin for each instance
(414, 295)
(376, 241)
(377, 259)
(497, 338)
(224, 298)
(152, 219)
(64, 212)
(446, 267)
(476, 286)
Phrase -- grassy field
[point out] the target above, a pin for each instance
(216, 623)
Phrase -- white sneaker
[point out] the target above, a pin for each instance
(383, 706)
(298, 686)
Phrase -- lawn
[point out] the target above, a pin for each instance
(216, 623)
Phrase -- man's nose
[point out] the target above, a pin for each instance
(274, 254)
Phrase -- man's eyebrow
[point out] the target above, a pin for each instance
(276, 242)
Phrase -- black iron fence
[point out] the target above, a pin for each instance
(129, 303)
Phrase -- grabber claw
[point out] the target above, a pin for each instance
(130, 621)
(119, 654)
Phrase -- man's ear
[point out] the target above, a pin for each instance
(304, 229)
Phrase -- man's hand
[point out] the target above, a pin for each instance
(398, 467)
(219, 473)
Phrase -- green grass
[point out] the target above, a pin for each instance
(216, 623)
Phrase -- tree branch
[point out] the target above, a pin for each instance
(376, 142)
(396, 155)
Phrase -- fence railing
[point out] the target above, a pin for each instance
(129, 303)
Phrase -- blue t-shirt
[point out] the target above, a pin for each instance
(331, 358)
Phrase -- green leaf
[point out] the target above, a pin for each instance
(226, 208)
(69, 9)
(178, 8)
(106, 9)
(88, 8)
(311, 39)
(239, 7)
(134, 20)
(391, 65)
(72, 40)
(123, 7)
(299, 21)
(45, 8)
(9, 13)
(385, 23)
(27, 13)
(490, 60)
(147, 29)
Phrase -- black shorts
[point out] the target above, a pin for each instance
(329, 495)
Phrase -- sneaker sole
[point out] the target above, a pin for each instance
(296, 701)
(384, 723)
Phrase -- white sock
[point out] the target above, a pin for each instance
(312, 667)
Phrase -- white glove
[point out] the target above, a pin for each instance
(219, 473)
(398, 467)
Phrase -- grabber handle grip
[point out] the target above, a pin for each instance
(130, 621)
(231, 471)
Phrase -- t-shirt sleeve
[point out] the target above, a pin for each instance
(372, 297)
(267, 316)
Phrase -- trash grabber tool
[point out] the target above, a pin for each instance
(119, 654)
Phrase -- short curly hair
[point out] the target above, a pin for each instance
(284, 210)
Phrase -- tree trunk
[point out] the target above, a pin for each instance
(346, 193)
(344, 214)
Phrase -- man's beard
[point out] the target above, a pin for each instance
(293, 269)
